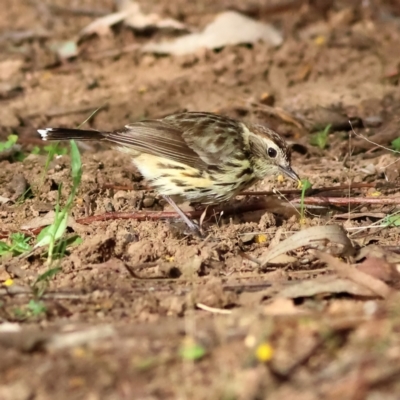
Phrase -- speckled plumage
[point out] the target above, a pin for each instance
(200, 157)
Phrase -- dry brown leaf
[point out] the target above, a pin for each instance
(48, 219)
(332, 233)
(377, 286)
(228, 28)
(379, 268)
(130, 13)
(325, 285)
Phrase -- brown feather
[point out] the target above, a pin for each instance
(199, 140)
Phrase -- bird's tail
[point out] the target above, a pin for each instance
(67, 134)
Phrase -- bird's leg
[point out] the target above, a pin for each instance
(192, 226)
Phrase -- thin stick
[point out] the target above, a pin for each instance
(344, 201)
(379, 185)
(213, 309)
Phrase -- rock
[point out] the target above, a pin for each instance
(148, 201)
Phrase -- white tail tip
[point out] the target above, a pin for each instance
(43, 132)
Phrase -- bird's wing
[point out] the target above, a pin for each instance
(157, 138)
(213, 137)
(194, 139)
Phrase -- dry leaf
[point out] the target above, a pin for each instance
(309, 236)
(228, 28)
(376, 286)
(45, 220)
(325, 285)
(130, 14)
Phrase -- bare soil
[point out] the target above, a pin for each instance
(124, 317)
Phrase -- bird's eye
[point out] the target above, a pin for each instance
(272, 153)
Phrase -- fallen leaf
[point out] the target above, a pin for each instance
(379, 263)
(307, 237)
(45, 220)
(130, 14)
(48, 219)
(228, 28)
(376, 286)
(325, 285)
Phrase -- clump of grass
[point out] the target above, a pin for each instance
(17, 244)
(9, 144)
(52, 233)
(320, 139)
(392, 220)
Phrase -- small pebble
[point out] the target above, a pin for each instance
(247, 237)
(109, 207)
(148, 201)
(373, 121)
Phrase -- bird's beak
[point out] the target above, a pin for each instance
(290, 173)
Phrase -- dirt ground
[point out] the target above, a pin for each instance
(141, 310)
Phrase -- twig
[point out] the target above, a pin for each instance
(344, 201)
(213, 309)
(316, 190)
(381, 185)
(159, 215)
(378, 215)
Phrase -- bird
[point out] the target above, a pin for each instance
(199, 157)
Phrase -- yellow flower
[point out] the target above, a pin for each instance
(264, 352)
(8, 282)
(260, 238)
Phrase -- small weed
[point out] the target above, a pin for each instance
(392, 220)
(8, 144)
(34, 308)
(35, 150)
(54, 149)
(320, 139)
(192, 351)
(18, 245)
(305, 184)
(396, 144)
